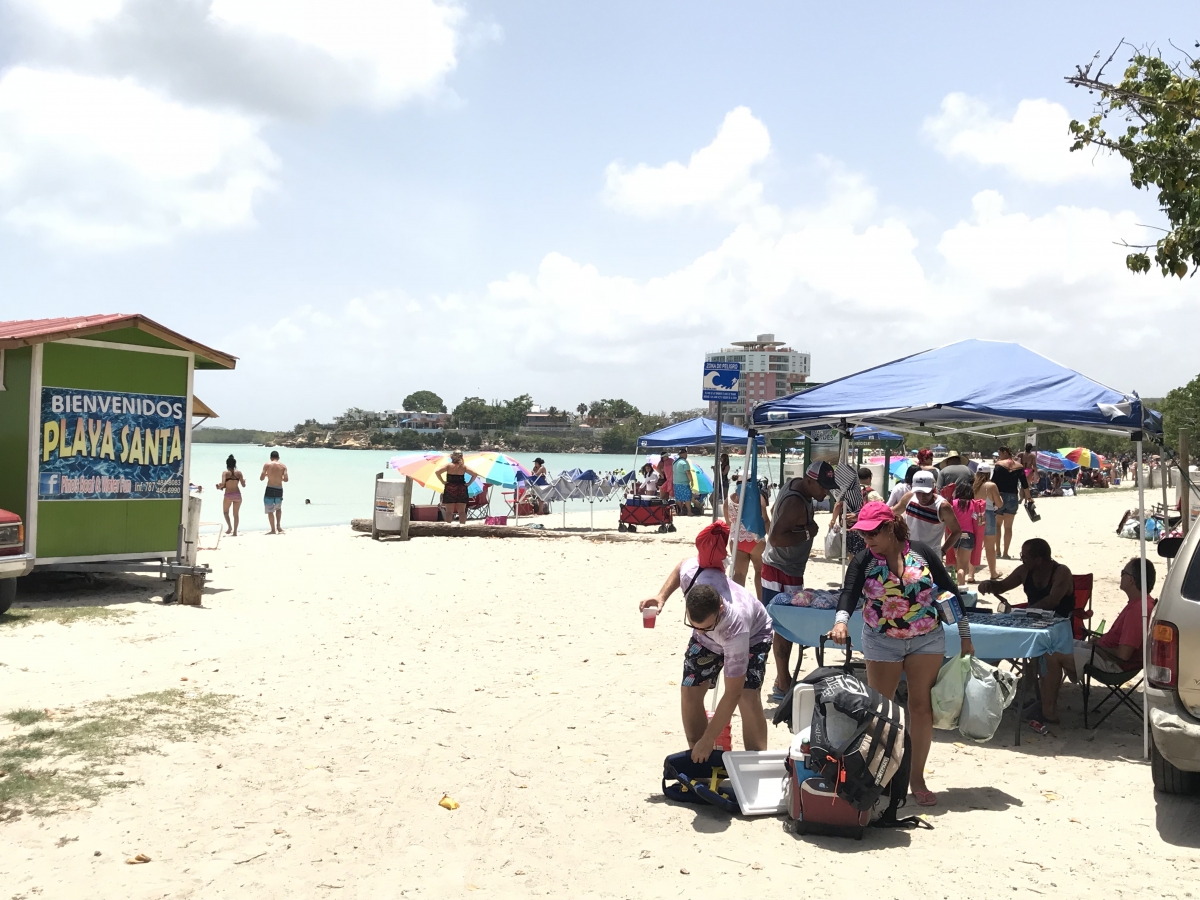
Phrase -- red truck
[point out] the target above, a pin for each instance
(13, 560)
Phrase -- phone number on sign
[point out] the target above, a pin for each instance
(158, 487)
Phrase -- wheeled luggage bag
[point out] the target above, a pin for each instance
(822, 811)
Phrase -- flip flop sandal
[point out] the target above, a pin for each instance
(925, 798)
(777, 695)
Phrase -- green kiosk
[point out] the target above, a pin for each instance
(95, 446)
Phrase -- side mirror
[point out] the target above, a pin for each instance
(1168, 548)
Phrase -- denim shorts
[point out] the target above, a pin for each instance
(989, 529)
(878, 647)
(1010, 504)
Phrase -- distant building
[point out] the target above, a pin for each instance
(770, 369)
(420, 421)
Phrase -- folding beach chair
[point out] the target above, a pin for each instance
(1120, 685)
(1083, 604)
(511, 499)
(480, 506)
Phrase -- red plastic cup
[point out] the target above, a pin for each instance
(725, 739)
(649, 615)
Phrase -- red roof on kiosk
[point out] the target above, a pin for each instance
(26, 332)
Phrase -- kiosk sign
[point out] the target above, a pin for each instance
(721, 381)
(107, 445)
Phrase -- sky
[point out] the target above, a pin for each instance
(364, 198)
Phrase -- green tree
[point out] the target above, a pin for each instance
(515, 410)
(1181, 410)
(620, 438)
(472, 412)
(1157, 104)
(424, 401)
(605, 411)
(582, 409)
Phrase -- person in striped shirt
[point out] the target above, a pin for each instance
(928, 515)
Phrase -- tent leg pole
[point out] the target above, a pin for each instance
(737, 523)
(843, 457)
(1145, 602)
(718, 479)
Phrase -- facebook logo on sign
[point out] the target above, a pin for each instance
(49, 484)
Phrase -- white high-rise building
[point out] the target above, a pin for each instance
(770, 369)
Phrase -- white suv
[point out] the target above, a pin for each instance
(1173, 678)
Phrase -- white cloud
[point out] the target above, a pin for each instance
(1034, 145)
(388, 50)
(106, 163)
(129, 122)
(841, 277)
(719, 175)
(71, 15)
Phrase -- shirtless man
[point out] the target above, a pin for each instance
(275, 474)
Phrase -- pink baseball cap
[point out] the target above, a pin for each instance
(872, 515)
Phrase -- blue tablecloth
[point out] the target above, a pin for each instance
(805, 625)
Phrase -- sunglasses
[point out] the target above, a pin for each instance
(687, 620)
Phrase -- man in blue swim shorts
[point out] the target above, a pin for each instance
(275, 473)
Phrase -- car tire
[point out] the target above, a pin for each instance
(1167, 778)
(8, 593)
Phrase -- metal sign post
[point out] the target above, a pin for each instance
(721, 382)
(718, 475)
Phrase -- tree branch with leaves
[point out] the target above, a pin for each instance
(1158, 103)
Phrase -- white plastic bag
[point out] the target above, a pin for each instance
(988, 692)
(833, 542)
(947, 693)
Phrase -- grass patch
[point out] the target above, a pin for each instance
(64, 762)
(64, 615)
(26, 716)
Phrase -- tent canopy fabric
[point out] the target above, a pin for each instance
(866, 433)
(697, 432)
(969, 381)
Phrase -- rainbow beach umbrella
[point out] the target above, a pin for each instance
(421, 466)
(1088, 459)
(495, 467)
(702, 484)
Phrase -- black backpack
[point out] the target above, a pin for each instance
(783, 712)
(864, 762)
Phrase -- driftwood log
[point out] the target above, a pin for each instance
(478, 529)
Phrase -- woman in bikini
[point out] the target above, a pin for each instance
(232, 481)
(456, 479)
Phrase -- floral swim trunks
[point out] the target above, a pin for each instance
(701, 665)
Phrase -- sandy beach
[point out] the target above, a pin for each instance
(366, 680)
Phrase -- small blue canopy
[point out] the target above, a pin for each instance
(971, 381)
(866, 433)
(697, 432)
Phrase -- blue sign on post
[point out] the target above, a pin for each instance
(721, 381)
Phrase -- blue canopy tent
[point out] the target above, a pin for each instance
(865, 434)
(983, 383)
(967, 386)
(697, 432)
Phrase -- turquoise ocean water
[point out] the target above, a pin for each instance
(339, 483)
